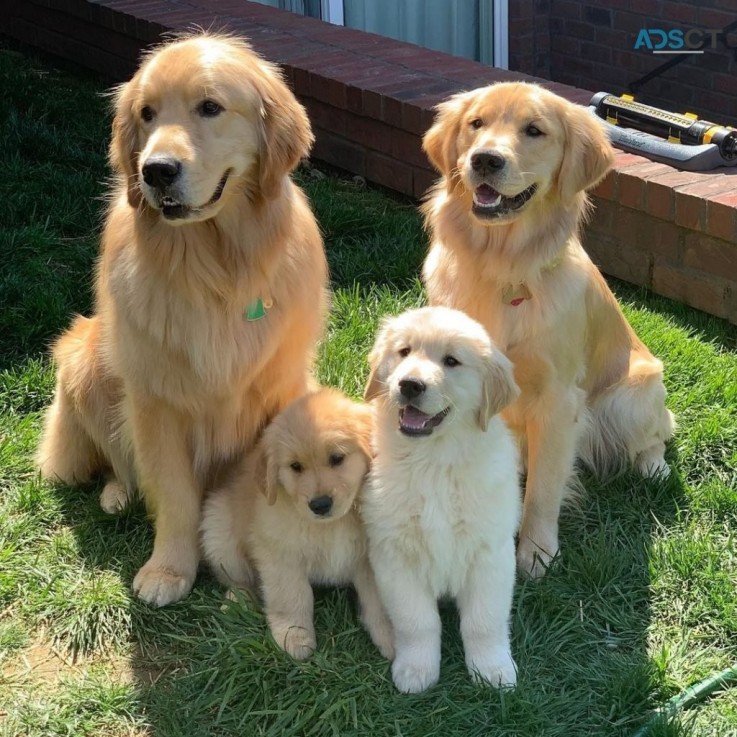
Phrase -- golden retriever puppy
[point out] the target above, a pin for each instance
(289, 517)
(516, 160)
(210, 293)
(443, 501)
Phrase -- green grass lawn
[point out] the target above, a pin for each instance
(643, 603)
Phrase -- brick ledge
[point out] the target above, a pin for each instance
(370, 100)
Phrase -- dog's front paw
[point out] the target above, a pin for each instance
(414, 675)
(114, 497)
(296, 641)
(495, 668)
(652, 464)
(535, 554)
(159, 586)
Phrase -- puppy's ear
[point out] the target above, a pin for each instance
(376, 381)
(587, 154)
(287, 135)
(364, 428)
(440, 142)
(498, 389)
(266, 472)
(124, 142)
(374, 385)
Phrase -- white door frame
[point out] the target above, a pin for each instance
(501, 33)
(332, 11)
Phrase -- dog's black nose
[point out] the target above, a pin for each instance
(321, 505)
(485, 162)
(160, 172)
(411, 388)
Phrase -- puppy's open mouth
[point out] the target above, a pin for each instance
(489, 203)
(413, 421)
(172, 209)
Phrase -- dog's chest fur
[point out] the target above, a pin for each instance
(327, 552)
(436, 509)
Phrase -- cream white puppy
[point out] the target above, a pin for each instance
(442, 503)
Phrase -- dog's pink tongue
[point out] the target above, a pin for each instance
(413, 418)
(486, 195)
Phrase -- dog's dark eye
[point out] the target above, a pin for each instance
(477, 123)
(533, 131)
(404, 352)
(451, 361)
(209, 109)
(147, 114)
(297, 467)
(336, 459)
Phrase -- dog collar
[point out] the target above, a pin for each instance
(516, 294)
(257, 309)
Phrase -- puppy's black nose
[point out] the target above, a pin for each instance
(160, 172)
(321, 505)
(411, 388)
(486, 162)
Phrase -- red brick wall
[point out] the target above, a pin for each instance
(672, 231)
(592, 46)
(529, 37)
(370, 100)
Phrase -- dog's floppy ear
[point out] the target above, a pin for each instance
(498, 389)
(364, 428)
(287, 135)
(374, 385)
(587, 155)
(124, 142)
(266, 472)
(440, 142)
(376, 381)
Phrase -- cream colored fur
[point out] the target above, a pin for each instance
(441, 510)
(590, 388)
(259, 526)
(169, 381)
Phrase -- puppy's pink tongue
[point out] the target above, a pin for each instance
(413, 418)
(486, 195)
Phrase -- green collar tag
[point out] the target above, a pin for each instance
(255, 311)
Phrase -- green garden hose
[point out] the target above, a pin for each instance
(690, 696)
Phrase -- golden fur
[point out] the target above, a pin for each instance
(516, 161)
(260, 525)
(169, 379)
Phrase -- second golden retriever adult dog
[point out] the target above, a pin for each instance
(289, 518)
(516, 160)
(210, 293)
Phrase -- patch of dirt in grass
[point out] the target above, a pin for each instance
(42, 664)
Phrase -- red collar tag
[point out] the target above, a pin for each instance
(515, 294)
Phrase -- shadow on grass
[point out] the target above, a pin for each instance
(205, 666)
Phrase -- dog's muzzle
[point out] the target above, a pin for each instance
(321, 506)
(415, 422)
(489, 203)
(162, 175)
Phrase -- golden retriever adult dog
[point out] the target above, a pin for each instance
(516, 160)
(443, 500)
(289, 517)
(210, 293)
